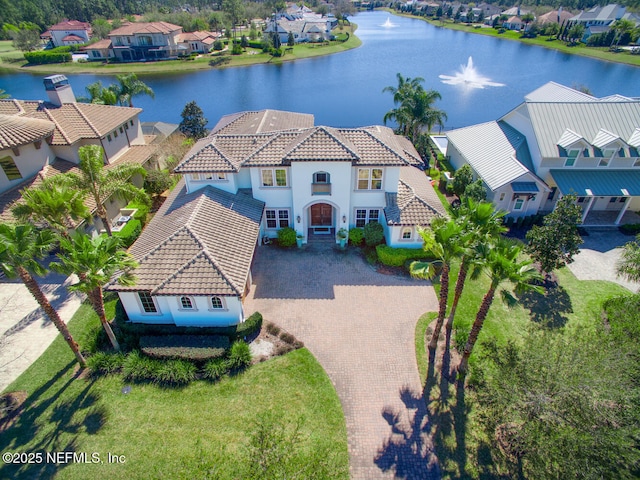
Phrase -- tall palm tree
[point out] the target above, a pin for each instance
(55, 204)
(628, 265)
(443, 242)
(100, 183)
(21, 246)
(502, 265)
(101, 95)
(483, 223)
(620, 27)
(129, 86)
(95, 261)
(406, 89)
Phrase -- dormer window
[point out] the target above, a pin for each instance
(621, 153)
(585, 153)
(604, 162)
(571, 158)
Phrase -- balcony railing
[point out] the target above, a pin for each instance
(320, 189)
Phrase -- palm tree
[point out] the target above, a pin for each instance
(95, 261)
(628, 265)
(620, 27)
(443, 242)
(58, 205)
(483, 224)
(21, 246)
(4, 94)
(100, 183)
(502, 265)
(406, 89)
(101, 95)
(129, 86)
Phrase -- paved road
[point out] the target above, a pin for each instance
(360, 326)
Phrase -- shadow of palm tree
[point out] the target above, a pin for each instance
(548, 308)
(408, 451)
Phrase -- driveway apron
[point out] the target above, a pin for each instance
(360, 326)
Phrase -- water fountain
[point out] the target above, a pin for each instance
(469, 77)
(388, 23)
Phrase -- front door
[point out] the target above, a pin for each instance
(321, 215)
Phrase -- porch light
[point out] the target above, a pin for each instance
(298, 219)
(344, 219)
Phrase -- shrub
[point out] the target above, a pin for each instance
(356, 236)
(219, 61)
(283, 349)
(286, 237)
(175, 372)
(141, 213)
(273, 329)
(397, 257)
(105, 362)
(216, 369)
(373, 234)
(218, 45)
(157, 182)
(186, 347)
(47, 56)
(287, 338)
(630, 228)
(371, 255)
(239, 355)
(250, 325)
(129, 233)
(236, 50)
(460, 339)
(138, 368)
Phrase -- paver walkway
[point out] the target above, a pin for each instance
(360, 326)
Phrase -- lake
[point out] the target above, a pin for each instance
(345, 89)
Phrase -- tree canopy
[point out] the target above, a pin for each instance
(193, 123)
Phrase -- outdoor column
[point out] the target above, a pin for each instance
(586, 210)
(623, 211)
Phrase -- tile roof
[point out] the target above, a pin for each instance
(99, 45)
(222, 151)
(198, 243)
(71, 25)
(73, 121)
(416, 202)
(16, 131)
(262, 121)
(145, 27)
(497, 153)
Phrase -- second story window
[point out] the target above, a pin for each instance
(369, 179)
(571, 158)
(274, 177)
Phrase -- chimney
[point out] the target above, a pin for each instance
(58, 90)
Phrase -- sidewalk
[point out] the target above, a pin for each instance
(25, 332)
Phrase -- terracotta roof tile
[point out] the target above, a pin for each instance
(263, 121)
(71, 25)
(74, 121)
(16, 131)
(416, 202)
(321, 143)
(145, 27)
(200, 243)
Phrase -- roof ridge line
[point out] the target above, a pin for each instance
(387, 146)
(175, 273)
(86, 119)
(58, 127)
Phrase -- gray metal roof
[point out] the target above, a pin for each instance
(600, 183)
(550, 122)
(497, 152)
(554, 92)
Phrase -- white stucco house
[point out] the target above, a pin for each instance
(42, 138)
(68, 32)
(258, 172)
(558, 141)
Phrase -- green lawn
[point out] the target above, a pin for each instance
(200, 431)
(601, 53)
(460, 445)
(250, 57)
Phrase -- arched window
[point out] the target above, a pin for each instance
(186, 303)
(216, 303)
(407, 233)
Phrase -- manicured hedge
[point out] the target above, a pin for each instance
(397, 257)
(373, 234)
(287, 237)
(249, 326)
(188, 347)
(47, 56)
(630, 228)
(129, 233)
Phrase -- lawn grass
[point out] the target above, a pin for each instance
(252, 56)
(461, 446)
(199, 431)
(601, 53)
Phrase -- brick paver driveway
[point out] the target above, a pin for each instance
(360, 325)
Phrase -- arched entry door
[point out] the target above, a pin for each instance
(321, 217)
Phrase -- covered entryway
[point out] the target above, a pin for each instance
(321, 218)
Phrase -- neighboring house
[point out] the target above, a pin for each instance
(559, 16)
(258, 172)
(68, 32)
(513, 23)
(601, 19)
(146, 41)
(303, 25)
(100, 50)
(198, 42)
(38, 139)
(558, 141)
